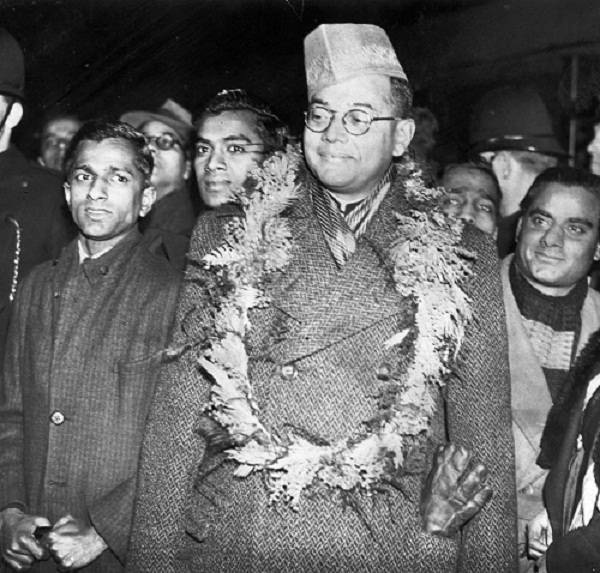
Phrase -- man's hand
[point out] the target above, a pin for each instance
(73, 543)
(448, 499)
(539, 535)
(18, 546)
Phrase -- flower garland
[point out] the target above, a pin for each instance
(428, 266)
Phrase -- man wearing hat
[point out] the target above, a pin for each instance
(168, 227)
(29, 194)
(512, 130)
(295, 424)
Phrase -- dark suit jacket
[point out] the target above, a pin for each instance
(83, 352)
(327, 328)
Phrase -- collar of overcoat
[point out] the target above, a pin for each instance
(324, 304)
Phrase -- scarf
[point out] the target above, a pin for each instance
(553, 325)
(342, 229)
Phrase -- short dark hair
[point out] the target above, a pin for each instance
(401, 97)
(480, 166)
(273, 132)
(100, 129)
(566, 176)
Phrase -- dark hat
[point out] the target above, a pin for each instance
(170, 113)
(12, 66)
(512, 118)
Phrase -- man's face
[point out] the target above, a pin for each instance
(352, 165)
(558, 238)
(228, 146)
(594, 151)
(471, 195)
(56, 137)
(106, 192)
(171, 168)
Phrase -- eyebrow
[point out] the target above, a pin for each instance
(355, 104)
(579, 220)
(233, 137)
(113, 169)
(458, 190)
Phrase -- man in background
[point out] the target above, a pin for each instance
(56, 135)
(168, 227)
(511, 129)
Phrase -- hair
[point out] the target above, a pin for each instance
(482, 167)
(100, 129)
(56, 115)
(400, 98)
(273, 132)
(566, 176)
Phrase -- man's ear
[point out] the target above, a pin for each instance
(404, 131)
(148, 198)
(597, 252)
(519, 225)
(188, 169)
(67, 190)
(502, 165)
(15, 115)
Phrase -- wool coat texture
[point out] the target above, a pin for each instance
(84, 348)
(314, 357)
(576, 551)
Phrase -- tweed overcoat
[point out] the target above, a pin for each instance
(84, 346)
(315, 354)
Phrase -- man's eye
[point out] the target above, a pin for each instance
(451, 200)
(202, 150)
(576, 230)
(119, 178)
(357, 118)
(486, 207)
(82, 177)
(538, 221)
(235, 148)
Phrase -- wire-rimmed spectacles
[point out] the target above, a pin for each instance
(355, 121)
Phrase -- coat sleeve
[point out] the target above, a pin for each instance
(12, 480)
(479, 414)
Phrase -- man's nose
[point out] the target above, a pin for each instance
(336, 130)
(553, 237)
(216, 160)
(467, 213)
(97, 189)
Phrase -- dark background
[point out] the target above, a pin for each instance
(104, 57)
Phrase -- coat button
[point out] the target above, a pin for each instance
(103, 271)
(384, 372)
(57, 418)
(24, 183)
(288, 371)
(56, 294)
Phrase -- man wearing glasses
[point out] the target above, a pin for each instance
(327, 358)
(168, 227)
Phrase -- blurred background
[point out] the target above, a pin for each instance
(104, 57)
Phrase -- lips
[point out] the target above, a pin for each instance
(545, 257)
(96, 214)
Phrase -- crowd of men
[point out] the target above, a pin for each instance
(221, 350)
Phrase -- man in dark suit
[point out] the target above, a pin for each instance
(84, 345)
(294, 428)
(29, 194)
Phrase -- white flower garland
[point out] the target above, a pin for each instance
(428, 266)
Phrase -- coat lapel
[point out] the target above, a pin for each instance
(325, 304)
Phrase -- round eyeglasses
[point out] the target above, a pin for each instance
(164, 141)
(355, 121)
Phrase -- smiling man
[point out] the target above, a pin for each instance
(84, 347)
(550, 310)
(325, 364)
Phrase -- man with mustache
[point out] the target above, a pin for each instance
(84, 345)
(551, 312)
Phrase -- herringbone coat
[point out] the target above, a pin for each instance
(315, 355)
(85, 344)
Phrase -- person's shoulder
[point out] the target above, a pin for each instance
(155, 268)
(594, 297)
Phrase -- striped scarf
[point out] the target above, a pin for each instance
(342, 229)
(553, 326)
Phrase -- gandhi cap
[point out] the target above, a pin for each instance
(334, 53)
(12, 66)
(512, 118)
(170, 113)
